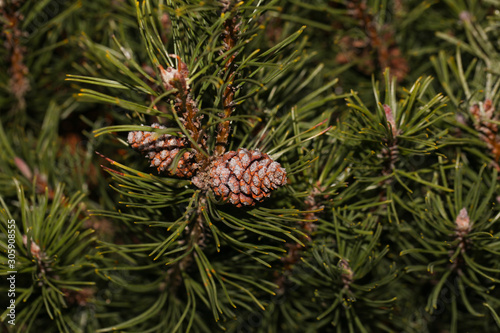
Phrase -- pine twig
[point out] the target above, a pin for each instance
(185, 106)
(379, 41)
(18, 83)
(485, 120)
(231, 29)
(391, 153)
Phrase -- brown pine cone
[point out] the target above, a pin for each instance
(245, 177)
(161, 150)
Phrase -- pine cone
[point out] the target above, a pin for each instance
(161, 150)
(245, 176)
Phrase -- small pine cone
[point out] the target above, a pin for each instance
(162, 149)
(245, 176)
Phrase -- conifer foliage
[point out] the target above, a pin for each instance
(249, 166)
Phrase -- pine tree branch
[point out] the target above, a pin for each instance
(230, 38)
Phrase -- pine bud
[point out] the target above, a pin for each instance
(347, 274)
(35, 250)
(463, 225)
(245, 177)
(175, 78)
(162, 150)
(389, 116)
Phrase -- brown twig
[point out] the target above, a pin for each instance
(194, 235)
(379, 41)
(308, 227)
(485, 118)
(18, 83)
(390, 153)
(231, 29)
(185, 106)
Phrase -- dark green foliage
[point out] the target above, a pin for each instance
(51, 272)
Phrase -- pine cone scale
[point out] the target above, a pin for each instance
(234, 185)
(244, 188)
(247, 176)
